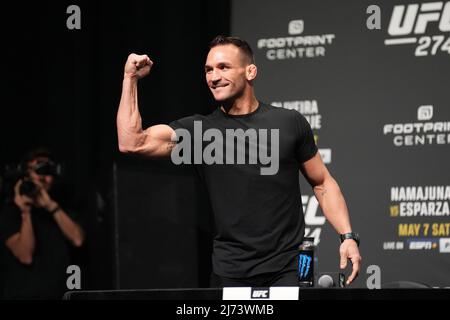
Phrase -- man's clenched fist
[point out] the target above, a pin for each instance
(138, 66)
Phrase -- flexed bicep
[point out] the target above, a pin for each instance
(159, 140)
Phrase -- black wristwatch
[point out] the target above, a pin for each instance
(350, 235)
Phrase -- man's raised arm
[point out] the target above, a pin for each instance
(155, 141)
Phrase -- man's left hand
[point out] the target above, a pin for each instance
(349, 251)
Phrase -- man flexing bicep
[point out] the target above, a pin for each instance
(155, 141)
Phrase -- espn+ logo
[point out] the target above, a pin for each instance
(407, 21)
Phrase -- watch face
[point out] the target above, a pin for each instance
(350, 235)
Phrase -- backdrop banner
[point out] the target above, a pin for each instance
(373, 82)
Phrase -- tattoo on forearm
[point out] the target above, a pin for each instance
(323, 192)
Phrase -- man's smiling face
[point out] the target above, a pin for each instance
(225, 71)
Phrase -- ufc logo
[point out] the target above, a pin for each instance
(263, 294)
(402, 23)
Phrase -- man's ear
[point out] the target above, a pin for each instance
(251, 72)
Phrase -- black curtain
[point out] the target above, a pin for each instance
(61, 90)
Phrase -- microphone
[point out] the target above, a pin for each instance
(331, 280)
(325, 281)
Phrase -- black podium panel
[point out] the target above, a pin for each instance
(304, 294)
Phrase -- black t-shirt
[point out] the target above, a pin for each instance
(258, 218)
(46, 277)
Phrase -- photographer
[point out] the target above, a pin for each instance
(35, 228)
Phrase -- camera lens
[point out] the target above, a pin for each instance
(28, 188)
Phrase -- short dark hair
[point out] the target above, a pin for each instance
(243, 45)
(39, 152)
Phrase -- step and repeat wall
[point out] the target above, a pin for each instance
(373, 80)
